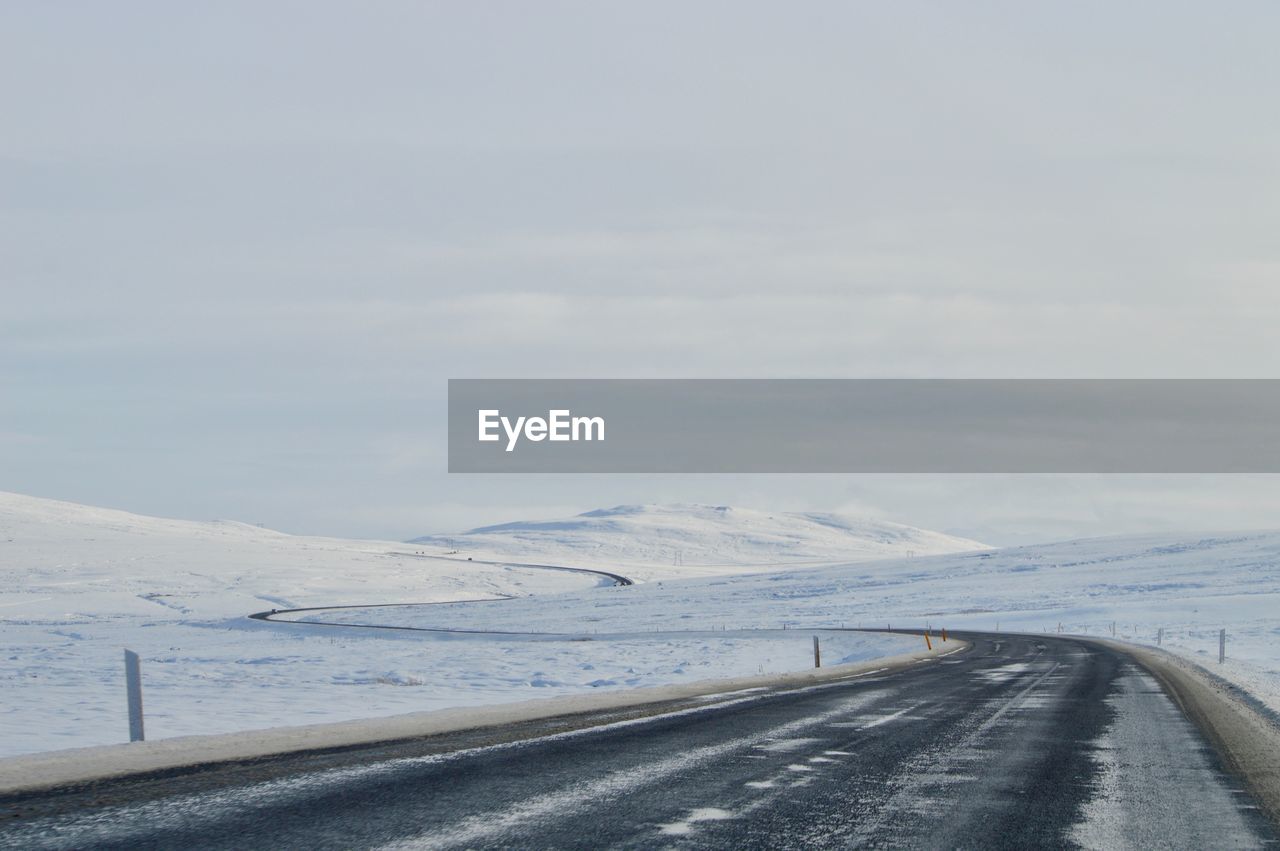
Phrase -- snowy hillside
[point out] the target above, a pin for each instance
(79, 558)
(700, 539)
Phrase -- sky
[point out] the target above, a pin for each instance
(244, 245)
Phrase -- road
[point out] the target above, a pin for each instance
(1017, 742)
(299, 615)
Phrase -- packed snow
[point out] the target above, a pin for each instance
(84, 583)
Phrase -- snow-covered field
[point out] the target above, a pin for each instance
(83, 583)
(1190, 586)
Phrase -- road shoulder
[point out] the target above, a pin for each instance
(1247, 740)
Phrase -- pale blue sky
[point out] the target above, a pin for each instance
(242, 245)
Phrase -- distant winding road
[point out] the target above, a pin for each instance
(288, 615)
(1017, 742)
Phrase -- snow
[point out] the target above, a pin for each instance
(80, 765)
(1202, 814)
(1190, 585)
(84, 583)
(666, 541)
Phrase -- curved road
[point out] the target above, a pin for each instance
(1019, 741)
(617, 578)
(278, 615)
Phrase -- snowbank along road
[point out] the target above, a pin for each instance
(1019, 741)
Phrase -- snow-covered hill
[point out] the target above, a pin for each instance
(78, 558)
(697, 539)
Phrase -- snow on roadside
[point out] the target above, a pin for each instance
(241, 675)
(1251, 664)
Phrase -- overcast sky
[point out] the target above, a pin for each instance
(243, 245)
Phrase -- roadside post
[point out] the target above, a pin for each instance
(133, 690)
(817, 653)
(1222, 646)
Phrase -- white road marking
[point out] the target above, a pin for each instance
(786, 745)
(868, 722)
(684, 827)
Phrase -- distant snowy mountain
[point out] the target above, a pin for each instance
(698, 536)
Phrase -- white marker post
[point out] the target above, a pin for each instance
(1159, 636)
(133, 687)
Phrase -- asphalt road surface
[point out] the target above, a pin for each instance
(1018, 742)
